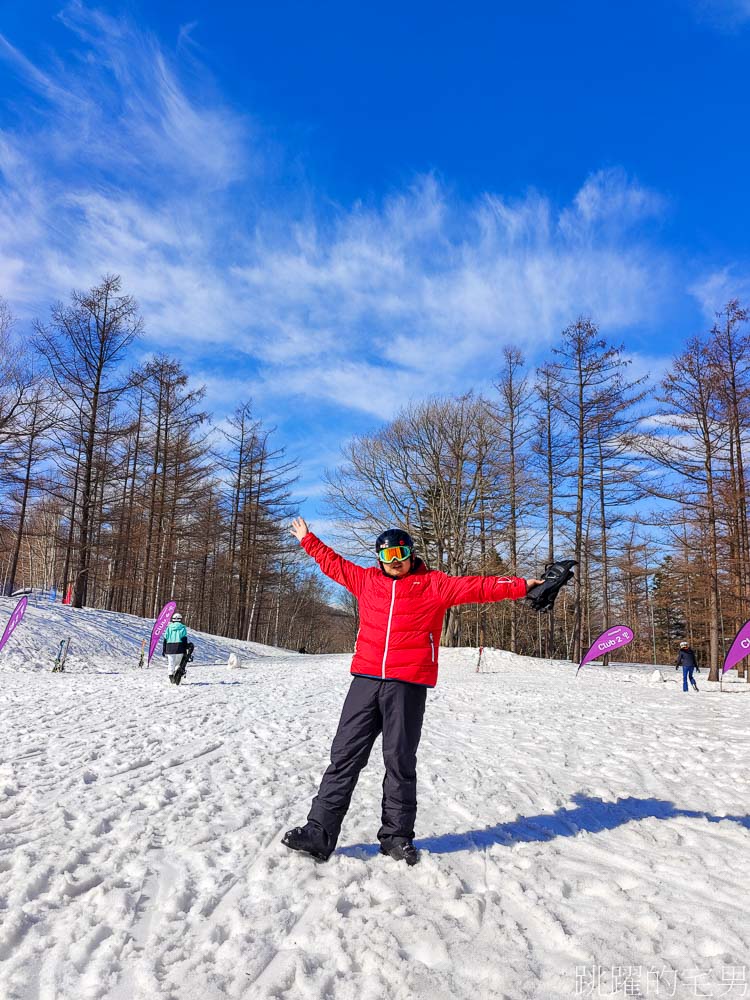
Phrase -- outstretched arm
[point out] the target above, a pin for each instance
(347, 573)
(483, 589)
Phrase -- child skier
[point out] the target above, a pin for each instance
(176, 648)
(401, 607)
(686, 659)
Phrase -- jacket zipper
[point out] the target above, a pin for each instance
(432, 648)
(388, 629)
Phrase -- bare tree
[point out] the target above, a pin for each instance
(261, 478)
(551, 450)
(84, 347)
(515, 431)
(16, 379)
(32, 450)
(588, 388)
(427, 471)
(729, 353)
(687, 443)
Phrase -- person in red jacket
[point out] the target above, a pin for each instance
(401, 609)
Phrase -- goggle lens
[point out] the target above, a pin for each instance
(393, 552)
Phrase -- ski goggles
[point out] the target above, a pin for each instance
(393, 553)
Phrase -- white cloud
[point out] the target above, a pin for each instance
(609, 203)
(714, 290)
(648, 366)
(379, 391)
(432, 287)
(37, 80)
(121, 109)
(360, 307)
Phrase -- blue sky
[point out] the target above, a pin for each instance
(335, 208)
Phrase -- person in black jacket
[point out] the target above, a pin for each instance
(686, 660)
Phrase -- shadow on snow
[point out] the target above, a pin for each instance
(589, 815)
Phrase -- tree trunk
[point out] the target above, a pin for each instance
(24, 502)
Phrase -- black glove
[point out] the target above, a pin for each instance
(556, 575)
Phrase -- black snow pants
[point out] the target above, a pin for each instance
(372, 706)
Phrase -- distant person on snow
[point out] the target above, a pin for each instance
(401, 608)
(176, 645)
(686, 659)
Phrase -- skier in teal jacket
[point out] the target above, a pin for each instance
(175, 643)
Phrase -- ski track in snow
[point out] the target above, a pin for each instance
(598, 821)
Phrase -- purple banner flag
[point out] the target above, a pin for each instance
(614, 638)
(160, 626)
(739, 649)
(14, 620)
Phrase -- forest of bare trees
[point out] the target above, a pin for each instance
(116, 485)
(116, 488)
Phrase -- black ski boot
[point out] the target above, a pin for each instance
(400, 849)
(171, 678)
(309, 839)
(556, 575)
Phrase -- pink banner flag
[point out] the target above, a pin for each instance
(14, 620)
(739, 649)
(160, 626)
(614, 638)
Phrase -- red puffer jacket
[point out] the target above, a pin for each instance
(401, 620)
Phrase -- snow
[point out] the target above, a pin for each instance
(100, 639)
(570, 828)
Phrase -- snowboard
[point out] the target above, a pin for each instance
(62, 652)
(187, 657)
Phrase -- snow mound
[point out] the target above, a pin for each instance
(101, 640)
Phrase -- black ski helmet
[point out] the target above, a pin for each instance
(393, 536)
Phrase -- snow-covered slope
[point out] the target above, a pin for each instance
(568, 828)
(101, 639)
